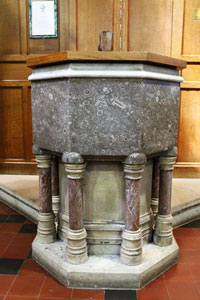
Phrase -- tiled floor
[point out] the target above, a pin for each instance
(23, 279)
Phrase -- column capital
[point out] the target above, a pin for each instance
(44, 161)
(167, 163)
(133, 172)
(75, 171)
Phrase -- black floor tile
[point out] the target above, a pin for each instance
(185, 226)
(28, 228)
(15, 219)
(120, 295)
(10, 266)
(194, 224)
(29, 255)
(3, 218)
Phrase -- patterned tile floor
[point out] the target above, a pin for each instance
(23, 279)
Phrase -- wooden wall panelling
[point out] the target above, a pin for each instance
(72, 25)
(23, 26)
(185, 45)
(11, 115)
(93, 17)
(120, 26)
(63, 24)
(188, 164)
(10, 27)
(15, 134)
(150, 25)
(191, 41)
(177, 28)
(14, 71)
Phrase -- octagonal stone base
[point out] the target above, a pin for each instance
(105, 272)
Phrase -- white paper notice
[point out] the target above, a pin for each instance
(43, 18)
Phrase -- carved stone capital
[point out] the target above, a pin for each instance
(75, 171)
(136, 158)
(133, 172)
(72, 158)
(131, 248)
(44, 161)
(46, 232)
(163, 234)
(76, 246)
(167, 163)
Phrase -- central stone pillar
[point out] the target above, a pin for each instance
(76, 234)
(131, 248)
(163, 234)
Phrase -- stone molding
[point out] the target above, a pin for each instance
(104, 70)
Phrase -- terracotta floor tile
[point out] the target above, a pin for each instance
(31, 268)
(188, 242)
(17, 251)
(195, 270)
(20, 298)
(23, 238)
(53, 298)
(3, 211)
(156, 290)
(2, 249)
(26, 286)
(6, 281)
(178, 272)
(196, 231)
(189, 256)
(87, 294)
(180, 290)
(6, 237)
(10, 227)
(52, 288)
(183, 232)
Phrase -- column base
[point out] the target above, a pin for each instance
(76, 246)
(163, 234)
(131, 248)
(46, 232)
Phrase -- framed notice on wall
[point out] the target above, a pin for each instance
(43, 18)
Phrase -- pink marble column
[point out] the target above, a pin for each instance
(46, 232)
(55, 186)
(131, 248)
(163, 234)
(76, 235)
